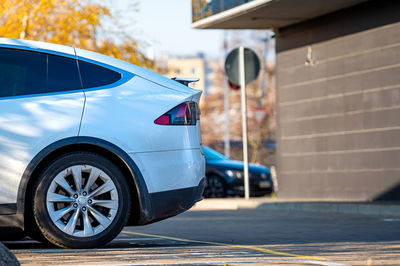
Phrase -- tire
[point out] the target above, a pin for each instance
(87, 217)
(7, 257)
(215, 187)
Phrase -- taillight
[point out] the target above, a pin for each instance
(186, 113)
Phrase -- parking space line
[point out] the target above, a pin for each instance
(264, 250)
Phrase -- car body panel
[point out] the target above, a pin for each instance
(238, 165)
(29, 124)
(135, 130)
(167, 156)
(169, 170)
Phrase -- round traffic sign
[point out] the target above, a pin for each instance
(251, 65)
(233, 86)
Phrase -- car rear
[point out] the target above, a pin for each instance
(157, 122)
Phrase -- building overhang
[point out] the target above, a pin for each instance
(271, 14)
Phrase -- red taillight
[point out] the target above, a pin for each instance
(186, 113)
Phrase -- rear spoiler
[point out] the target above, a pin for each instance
(185, 81)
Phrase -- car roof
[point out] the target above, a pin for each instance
(38, 46)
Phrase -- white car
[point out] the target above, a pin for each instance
(89, 144)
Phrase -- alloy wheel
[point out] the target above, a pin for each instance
(82, 200)
(215, 187)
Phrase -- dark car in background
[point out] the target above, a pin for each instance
(225, 177)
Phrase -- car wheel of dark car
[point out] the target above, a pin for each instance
(215, 187)
(81, 200)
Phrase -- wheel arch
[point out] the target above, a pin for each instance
(141, 210)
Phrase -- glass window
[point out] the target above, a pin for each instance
(96, 76)
(63, 74)
(22, 72)
(26, 72)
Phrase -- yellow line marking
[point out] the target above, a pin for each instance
(264, 250)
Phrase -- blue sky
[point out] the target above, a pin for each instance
(165, 25)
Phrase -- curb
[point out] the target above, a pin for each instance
(318, 206)
(7, 257)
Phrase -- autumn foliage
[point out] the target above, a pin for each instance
(78, 23)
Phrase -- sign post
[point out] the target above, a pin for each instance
(242, 67)
(227, 141)
(242, 75)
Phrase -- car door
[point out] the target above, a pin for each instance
(41, 101)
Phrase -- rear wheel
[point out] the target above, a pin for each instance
(81, 200)
(215, 187)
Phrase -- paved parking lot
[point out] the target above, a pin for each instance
(238, 237)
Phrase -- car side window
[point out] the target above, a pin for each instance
(27, 72)
(96, 76)
(63, 74)
(22, 72)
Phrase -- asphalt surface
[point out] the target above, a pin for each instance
(238, 237)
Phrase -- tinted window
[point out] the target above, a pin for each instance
(22, 72)
(95, 76)
(25, 72)
(63, 74)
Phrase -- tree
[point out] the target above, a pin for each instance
(70, 22)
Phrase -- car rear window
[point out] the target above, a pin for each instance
(96, 76)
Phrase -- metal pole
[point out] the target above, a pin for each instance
(244, 122)
(227, 146)
(264, 72)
